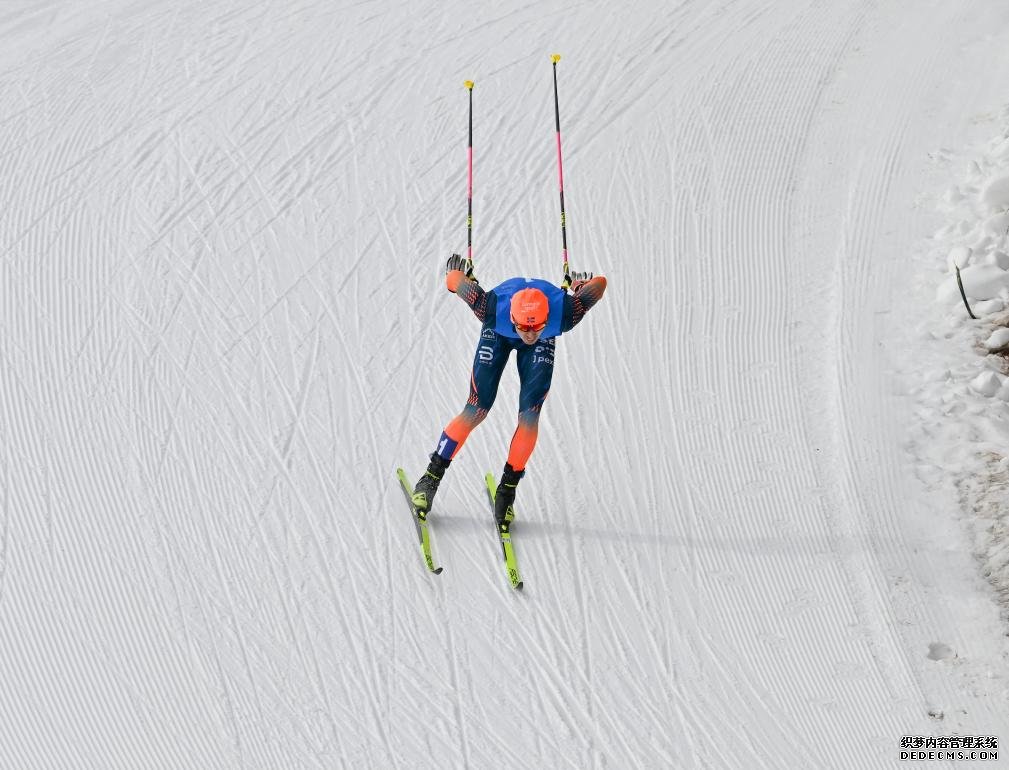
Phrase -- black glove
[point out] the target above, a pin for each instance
(455, 262)
(577, 280)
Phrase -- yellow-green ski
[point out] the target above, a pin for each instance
(420, 521)
(505, 536)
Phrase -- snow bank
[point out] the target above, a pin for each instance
(965, 412)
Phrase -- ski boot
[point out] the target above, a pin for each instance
(423, 493)
(504, 498)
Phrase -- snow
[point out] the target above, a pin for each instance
(995, 194)
(998, 339)
(975, 416)
(987, 383)
(982, 282)
(765, 523)
(959, 256)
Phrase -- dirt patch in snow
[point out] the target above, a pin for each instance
(986, 495)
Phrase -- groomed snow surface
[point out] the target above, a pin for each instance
(765, 523)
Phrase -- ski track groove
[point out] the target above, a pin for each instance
(772, 228)
(5, 529)
(61, 211)
(558, 693)
(283, 470)
(745, 223)
(863, 214)
(592, 703)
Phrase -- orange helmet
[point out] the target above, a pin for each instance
(530, 309)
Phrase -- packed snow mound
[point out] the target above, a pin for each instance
(977, 235)
(979, 282)
(987, 383)
(996, 225)
(998, 339)
(995, 194)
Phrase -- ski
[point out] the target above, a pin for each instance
(505, 536)
(419, 521)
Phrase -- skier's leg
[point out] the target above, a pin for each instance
(536, 369)
(488, 364)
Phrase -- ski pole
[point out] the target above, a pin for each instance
(469, 186)
(560, 174)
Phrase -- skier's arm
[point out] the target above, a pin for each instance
(466, 287)
(585, 294)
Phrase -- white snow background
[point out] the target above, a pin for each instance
(764, 526)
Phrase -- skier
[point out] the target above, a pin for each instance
(524, 315)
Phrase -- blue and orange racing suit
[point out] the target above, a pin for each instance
(498, 339)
